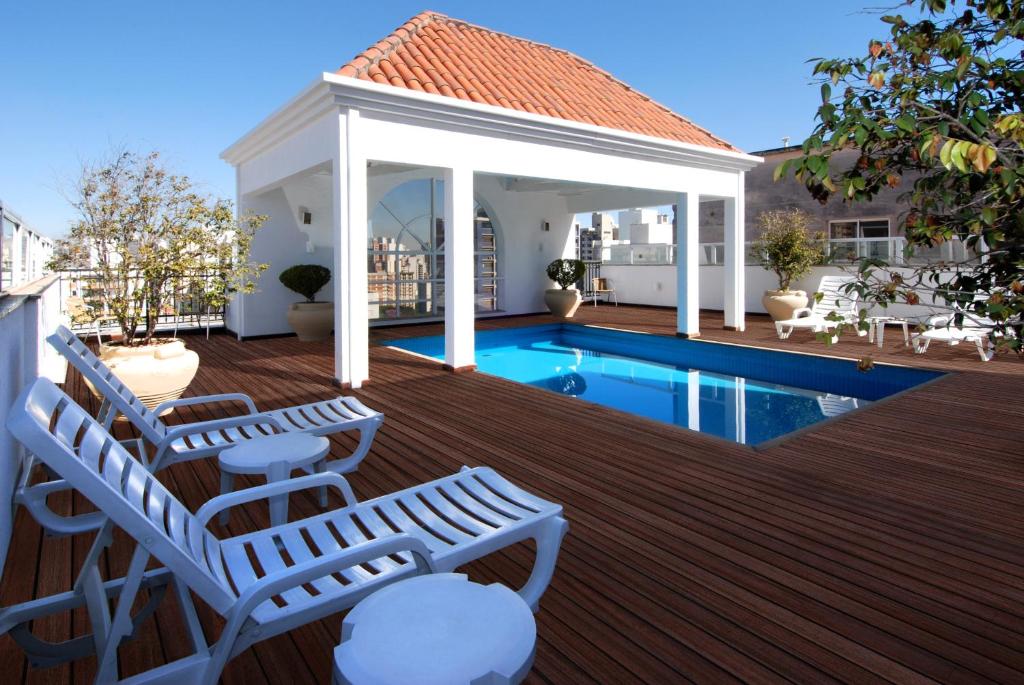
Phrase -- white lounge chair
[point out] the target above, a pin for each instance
(201, 439)
(263, 583)
(942, 328)
(834, 300)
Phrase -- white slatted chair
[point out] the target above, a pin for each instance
(943, 328)
(263, 583)
(201, 439)
(834, 300)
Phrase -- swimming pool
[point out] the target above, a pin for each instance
(742, 394)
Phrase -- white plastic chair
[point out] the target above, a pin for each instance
(201, 439)
(942, 328)
(834, 300)
(262, 583)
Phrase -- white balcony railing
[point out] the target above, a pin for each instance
(891, 249)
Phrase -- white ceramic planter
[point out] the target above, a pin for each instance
(155, 373)
(781, 304)
(311, 321)
(562, 303)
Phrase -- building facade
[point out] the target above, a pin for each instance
(24, 251)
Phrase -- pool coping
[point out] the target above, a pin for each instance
(759, 447)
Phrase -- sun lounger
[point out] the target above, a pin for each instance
(262, 583)
(834, 301)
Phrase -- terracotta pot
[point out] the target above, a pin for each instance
(562, 303)
(781, 304)
(155, 373)
(311, 321)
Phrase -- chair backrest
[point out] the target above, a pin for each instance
(81, 451)
(107, 384)
(601, 283)
(834, 297)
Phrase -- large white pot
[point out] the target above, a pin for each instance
(311, 321)
(157, 372)
(781, 304)
(562, 303)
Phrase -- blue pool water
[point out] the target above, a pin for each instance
(739, 393)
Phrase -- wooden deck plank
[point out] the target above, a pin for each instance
(884, 545)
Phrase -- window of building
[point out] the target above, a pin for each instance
(850, 240)
(405, 267)
(6, 253)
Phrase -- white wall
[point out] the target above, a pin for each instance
(656, 285)
(280, 244)
(25, 321)
(524, 249)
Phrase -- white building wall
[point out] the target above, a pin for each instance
(656, 285)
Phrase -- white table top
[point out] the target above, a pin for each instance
(886, 319)
(437, 629)
(256, 455)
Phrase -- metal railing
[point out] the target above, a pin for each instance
(586, 284)
(890, 249)
(81, 290)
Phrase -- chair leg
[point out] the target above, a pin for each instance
(548, 541)
(782, 331)
(985, 349)
(227, 484)
(921, 344)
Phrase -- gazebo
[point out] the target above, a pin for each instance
(439, 171)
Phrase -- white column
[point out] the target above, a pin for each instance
(356, 283)
(351, 335)
(339, 218)
(735, 258)
(459, 297)
(687, 265)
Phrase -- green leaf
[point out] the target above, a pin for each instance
(906, 123)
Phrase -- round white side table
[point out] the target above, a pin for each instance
(437, 629)
(274, 456)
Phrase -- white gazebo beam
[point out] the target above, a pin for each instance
(735, 258)
(348, 183)
(459, 287)
(687, 265)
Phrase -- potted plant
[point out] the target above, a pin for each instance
(562, 301)
(787, 248)
(150, 235)
(311, 320)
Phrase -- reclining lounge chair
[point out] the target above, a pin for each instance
(258, 582)
(833, 301)
(200, 439)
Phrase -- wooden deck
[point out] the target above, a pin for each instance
(885, 545)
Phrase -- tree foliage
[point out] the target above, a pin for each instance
(935, 107)
(150, 236)
(786, 245)
(565, 272)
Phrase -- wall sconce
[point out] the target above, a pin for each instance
(305, 216)
(545, 226)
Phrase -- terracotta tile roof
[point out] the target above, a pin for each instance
(436, 54)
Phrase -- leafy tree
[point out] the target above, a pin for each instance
(786, 245)
(305, 279)
(149, 236)
(935, 107)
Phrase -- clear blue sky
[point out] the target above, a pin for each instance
(189, 77)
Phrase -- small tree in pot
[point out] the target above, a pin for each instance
(311, 320)
(147, 236)
(787, 248)
(562, 301)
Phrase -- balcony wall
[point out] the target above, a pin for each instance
(656, 285)
(27, 315)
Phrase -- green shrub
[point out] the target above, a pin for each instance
(565, 272)
(305, 279)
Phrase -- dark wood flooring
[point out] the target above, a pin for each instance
(885, 545)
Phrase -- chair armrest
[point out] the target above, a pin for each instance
(801, 312)
(33, 498)
(316, 480)
(209, 399)
(293, 576)
(175, 432)
(939, 321)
